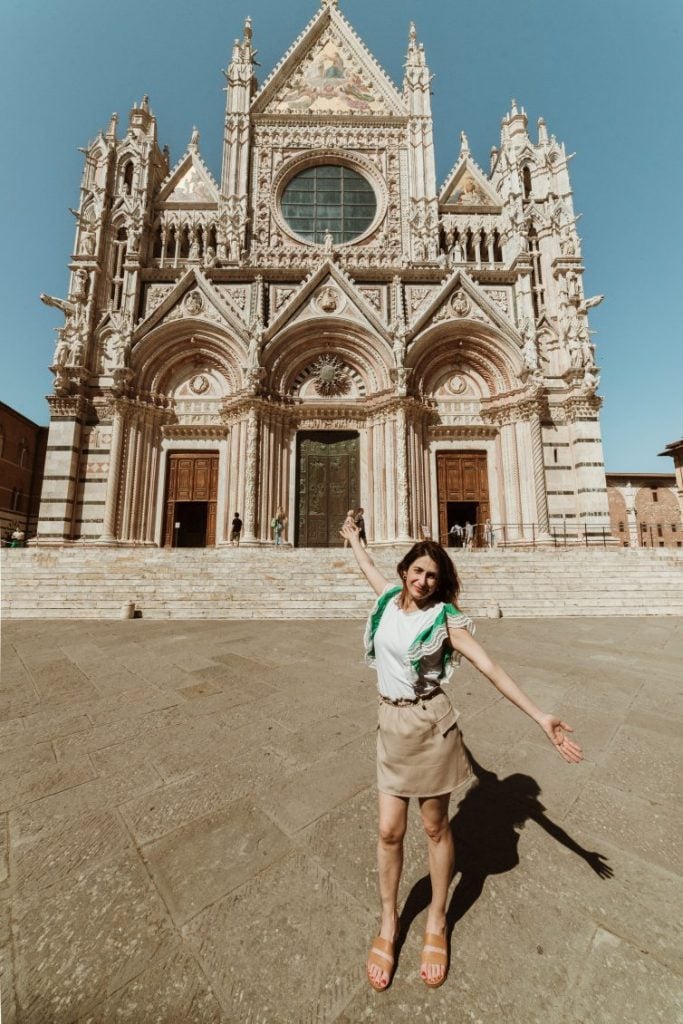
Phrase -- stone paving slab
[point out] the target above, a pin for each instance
(187, 829)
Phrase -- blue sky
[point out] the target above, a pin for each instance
(605, 75)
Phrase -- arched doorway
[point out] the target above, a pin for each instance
(191, 497)
(327, 486)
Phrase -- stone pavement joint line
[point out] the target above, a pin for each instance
(188, 828)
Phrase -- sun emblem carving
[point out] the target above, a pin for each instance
(330, 377)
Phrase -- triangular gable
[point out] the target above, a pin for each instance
(192, 297)
(467, 187)
(190, 183)
(461, 299)
(329, 70)
(328, 292)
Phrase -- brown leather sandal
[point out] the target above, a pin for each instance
(434, 953)
(382, 956)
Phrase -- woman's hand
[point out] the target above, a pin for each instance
(350, 531)
(555, 730)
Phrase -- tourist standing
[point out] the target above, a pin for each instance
(236, 531)
(359, 520)
(415, 633)
(456, 532)
(488, 534)
(469, 535)
(277, 525)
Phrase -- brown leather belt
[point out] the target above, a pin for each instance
(407, 702)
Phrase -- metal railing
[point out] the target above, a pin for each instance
(530, 535)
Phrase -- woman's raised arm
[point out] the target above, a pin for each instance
(372, 574)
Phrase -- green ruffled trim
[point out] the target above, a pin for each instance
(426, 643)
(435, 637)
(373, 622)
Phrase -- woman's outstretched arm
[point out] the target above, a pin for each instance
(372, 574)
(552, 726)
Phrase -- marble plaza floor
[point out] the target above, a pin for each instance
(187, 824)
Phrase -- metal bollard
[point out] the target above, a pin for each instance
(128, 610)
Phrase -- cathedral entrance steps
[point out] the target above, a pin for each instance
(97, 583)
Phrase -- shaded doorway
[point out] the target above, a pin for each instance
(191, 497)
(328, 464)
(463, 494)
(460, 513)
(189, 524)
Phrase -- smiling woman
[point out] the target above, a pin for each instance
(414, 637)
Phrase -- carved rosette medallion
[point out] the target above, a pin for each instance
(329, 301)
(456, 385)
(460, 304)
(194, 303)
(330, 377)
(199, 384)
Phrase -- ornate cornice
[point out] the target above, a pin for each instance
(195, 431)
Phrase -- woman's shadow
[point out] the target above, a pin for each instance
(486, 830)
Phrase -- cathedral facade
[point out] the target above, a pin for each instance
(325, 328)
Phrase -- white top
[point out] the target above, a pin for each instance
(395, 634)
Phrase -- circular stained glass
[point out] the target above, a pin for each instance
(329, 198)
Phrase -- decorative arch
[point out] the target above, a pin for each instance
(493, 360)
(173, 352)
(290, 355)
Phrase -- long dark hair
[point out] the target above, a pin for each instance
(448, 586)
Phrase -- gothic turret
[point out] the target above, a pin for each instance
(424, 216)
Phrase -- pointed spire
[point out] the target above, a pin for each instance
(111, 130)
(248, 31)
(145, 104)
(542, 132)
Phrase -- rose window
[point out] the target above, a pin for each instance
(329, 199)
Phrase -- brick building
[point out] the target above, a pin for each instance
(644, 510)
(22, 457)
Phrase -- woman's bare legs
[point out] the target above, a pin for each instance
(434, 811)
(393, 817)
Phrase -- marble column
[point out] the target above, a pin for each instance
(403, 519)
(108, 535)
(251, 478)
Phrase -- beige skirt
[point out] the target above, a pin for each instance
(420, 751)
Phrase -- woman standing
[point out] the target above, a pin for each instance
(413, 636)
(278, 525)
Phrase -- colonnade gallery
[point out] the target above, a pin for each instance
(326, 326)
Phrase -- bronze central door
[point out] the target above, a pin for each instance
(327, 486)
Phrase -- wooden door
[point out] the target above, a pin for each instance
(192, 476)
(327, 486)
(462, 477)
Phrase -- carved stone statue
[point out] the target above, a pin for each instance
(87, 246)
(209, 260)
(80, 286)
(328, 243)
(62, 351)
